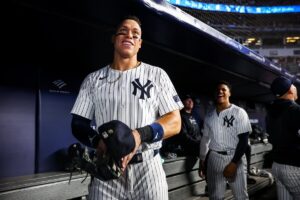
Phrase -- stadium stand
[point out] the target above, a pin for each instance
(253, 2)
(279, 32)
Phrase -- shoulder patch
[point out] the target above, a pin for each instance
(176, 98)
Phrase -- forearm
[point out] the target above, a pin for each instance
(166, 126)
(171, 123)
(241, 147)
(82, 130)
(204, 147)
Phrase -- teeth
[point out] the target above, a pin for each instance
(127, 43)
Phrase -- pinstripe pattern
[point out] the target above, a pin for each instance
(117, 97)
(223, 138)
(220, 133)
(137, 183)
(287, 179)
(217, 182)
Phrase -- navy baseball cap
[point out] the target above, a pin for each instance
(280, 86)
(118, 138)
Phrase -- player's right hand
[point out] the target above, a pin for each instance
(202, 169)
(126, 159)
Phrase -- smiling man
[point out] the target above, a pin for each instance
(223, 145)
(130, 93)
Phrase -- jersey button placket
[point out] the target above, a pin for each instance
(123, 93)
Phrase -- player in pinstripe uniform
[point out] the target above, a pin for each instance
(283, 126)
(225, 136)
(141, 96)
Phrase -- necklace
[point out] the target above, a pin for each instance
(119, 73)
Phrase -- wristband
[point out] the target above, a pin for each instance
(145, 133)
(151, 133)
(158, 132)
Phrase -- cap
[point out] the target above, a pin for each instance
(280, 86)
(118, 138)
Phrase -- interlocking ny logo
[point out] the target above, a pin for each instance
(145, 89)
(227, 121)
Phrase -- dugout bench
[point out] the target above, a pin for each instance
(184, 182)
(182, 177)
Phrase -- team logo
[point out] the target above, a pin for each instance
(228, 122)
(145, 89)
(59, 86)
(59, 83)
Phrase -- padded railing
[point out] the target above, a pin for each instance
(182, 177)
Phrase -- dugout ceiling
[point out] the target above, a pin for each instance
(74, 36)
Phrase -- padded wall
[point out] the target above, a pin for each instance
(57, 93)
(17, 121)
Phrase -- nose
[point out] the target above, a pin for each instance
(129, 34)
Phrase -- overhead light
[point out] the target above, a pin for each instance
(292, 39)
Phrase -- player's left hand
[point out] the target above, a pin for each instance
(101, 148)
(230, 170)
(126, 159)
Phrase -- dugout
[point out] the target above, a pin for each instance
(50, 46)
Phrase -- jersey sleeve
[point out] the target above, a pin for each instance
(168, 97)
(243, 125)
(84, 105)
(204, 142)
(205, 128)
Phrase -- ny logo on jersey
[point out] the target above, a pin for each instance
(145, 89)
(228, 122)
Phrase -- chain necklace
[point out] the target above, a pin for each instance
(119, 73)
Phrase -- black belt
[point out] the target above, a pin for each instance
(222, 152)
(138, 157)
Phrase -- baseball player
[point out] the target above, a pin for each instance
(225, 134)
(139, 95)
(284, 134)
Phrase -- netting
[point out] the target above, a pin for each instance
(257, 30)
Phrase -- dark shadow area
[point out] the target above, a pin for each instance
(190, 163)
(268, 193)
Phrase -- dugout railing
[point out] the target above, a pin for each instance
(182, 177)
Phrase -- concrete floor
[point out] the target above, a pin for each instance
(268, 193)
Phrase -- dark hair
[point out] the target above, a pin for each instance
(223, 82)
(130, 17)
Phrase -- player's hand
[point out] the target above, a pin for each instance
(101, 148)
(230, 171)
(202, 169)
(126, 159)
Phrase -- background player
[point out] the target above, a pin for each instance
(225, 134)
(283, 126)
(137, 94)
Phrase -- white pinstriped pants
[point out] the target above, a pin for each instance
(141, 181)
(287, 179)
(217, 182)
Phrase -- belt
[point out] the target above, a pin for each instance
(222, 152)
(140, 157)
(225, 153)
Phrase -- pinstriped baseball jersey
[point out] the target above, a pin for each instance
(136, 97)
(223, 129)
(221, 132)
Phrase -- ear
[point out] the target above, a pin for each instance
(141, 41)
